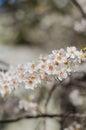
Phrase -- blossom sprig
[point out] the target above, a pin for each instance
(59, 64)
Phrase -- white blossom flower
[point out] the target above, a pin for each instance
(5, 89)
(42, 66)
(71, 52)
(62, 74)
(60, 58)
(31, 67)
(50, 69)
(32, 82)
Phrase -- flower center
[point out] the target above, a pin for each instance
(72, 52)
(51, 68)
(30, 82)
(33, 66)
(42, 66)
(6, 87)
(59, 57)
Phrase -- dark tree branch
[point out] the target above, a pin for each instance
(77, 115)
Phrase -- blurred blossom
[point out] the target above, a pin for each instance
(28, 106)
(23, 104)
(75, 98)
(80, 26)
(74, 126)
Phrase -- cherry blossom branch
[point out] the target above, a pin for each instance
(59, 64)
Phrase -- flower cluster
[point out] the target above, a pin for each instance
(59, 64)
(74, 126)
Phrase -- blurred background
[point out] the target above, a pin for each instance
(40, 26)
(29, 28)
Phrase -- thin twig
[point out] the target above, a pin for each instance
(77, 115)
(48, 99)
(52, 91)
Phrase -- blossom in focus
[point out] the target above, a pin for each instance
(59, 64)
(62, 74)
(71, 52)
(32, 82)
